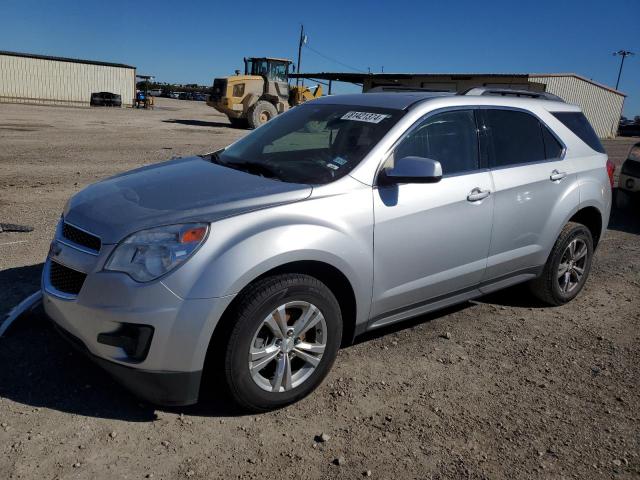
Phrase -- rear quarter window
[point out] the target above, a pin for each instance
(578, 124)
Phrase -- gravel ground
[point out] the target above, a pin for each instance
(496, 388)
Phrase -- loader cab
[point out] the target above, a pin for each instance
(273, 69)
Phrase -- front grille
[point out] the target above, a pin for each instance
(80, 237)
(65, 279)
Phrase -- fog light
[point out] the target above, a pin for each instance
(135, 340)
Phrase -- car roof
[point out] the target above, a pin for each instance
(392, 100)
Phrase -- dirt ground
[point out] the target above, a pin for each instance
(516, 391)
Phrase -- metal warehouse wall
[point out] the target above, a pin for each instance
(55, 82)
(600, 105)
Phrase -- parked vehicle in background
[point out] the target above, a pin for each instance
(105, 99)
(629, 128)
(200, 97)
(629, 180)
(257, 261)
(175, 95)
(156, 92)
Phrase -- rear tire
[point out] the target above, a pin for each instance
(270, 359)
(260, 113)
(623, 199)
(567, 267)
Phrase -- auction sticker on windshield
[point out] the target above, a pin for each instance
(364, 117)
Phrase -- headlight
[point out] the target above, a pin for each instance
(238, 90)
(149, 254)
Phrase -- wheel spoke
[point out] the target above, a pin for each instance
(311, 347)
(263, 362)
(581, 253)
(572, 249)
(260, 353)
(579, 270)
(309, 318)
(282, 378)
(562, 269)
(277, 322)
(567, 279)
(310, 359)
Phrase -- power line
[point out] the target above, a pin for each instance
(326, 57)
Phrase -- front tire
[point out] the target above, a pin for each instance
(567, 267)
(261, 113)
(285, 338)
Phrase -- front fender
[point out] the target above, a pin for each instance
(336, 230)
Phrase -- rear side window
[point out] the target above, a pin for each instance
(451, 138)
(515, 137)
(552, 148)
(578, 124)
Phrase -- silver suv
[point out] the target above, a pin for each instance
(348, 213)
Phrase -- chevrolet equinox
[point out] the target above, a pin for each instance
(342, 215)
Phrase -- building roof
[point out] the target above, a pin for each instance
(579, 77)
(64, 59)
(360, 77)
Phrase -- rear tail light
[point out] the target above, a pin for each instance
(610, 169)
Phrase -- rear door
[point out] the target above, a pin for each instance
(432, 240)
(531, 177)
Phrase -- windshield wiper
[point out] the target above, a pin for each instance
(257, 168)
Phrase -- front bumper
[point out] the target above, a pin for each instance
(169, 370)
(161, 388)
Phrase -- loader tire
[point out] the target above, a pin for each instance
(261, 113)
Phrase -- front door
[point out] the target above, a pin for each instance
(432, 240)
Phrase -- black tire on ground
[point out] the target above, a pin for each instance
(623, 199)
(547, 287)
(260, 113)
(239, 123)
(254, 306)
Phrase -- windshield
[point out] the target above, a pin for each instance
(313, 144)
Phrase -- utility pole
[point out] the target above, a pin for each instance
(624, 54)
(303, 40)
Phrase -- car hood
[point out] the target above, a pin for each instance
(184, 190)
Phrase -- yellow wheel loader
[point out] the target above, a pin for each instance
(254, 98)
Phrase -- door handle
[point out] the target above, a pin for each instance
(478, 194)
(556, 175)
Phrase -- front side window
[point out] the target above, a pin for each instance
(515, 137)
(450, 138)
(313, 144)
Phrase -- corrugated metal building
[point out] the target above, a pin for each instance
(602, 105)
(40, 79)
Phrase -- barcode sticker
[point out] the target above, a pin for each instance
(364, 117)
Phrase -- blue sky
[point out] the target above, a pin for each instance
(195, 41)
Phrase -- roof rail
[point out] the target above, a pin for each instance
(510, 92)
(402, 88)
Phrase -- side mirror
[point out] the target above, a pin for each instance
(412, 170)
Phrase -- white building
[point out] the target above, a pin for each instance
(40, 79)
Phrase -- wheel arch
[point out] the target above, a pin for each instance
(331, 276)
(590, 217)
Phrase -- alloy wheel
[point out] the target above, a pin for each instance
(572, 265)
(287, 346)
